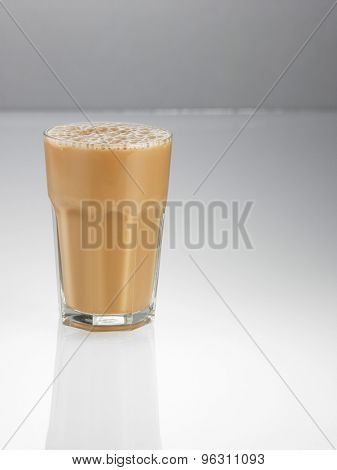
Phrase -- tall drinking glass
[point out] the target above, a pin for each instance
(108, 185)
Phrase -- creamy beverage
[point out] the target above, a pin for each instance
(91, 168)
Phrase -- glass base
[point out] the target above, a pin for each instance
(106, 322)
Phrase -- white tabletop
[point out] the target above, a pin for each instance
(242, 353)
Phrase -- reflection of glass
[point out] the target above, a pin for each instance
(106, 396)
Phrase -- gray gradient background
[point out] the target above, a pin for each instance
(203, 382)
(175, 54)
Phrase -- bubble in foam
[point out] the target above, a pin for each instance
(109, 135)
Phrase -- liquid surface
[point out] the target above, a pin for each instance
(113, 135)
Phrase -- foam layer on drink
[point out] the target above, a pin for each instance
(109, 135)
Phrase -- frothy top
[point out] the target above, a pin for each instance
(109, 135)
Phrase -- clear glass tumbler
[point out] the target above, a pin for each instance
(108, 185)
